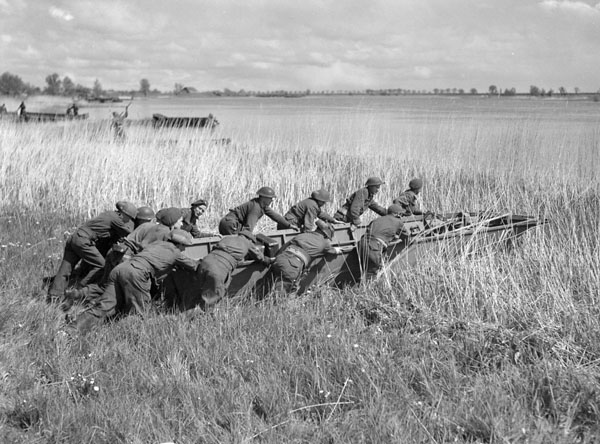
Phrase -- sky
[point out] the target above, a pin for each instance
(266, 45)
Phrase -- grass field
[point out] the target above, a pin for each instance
(501, 347)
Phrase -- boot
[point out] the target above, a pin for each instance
(86, 323)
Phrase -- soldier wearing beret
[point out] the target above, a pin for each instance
(167, 220)
(84, 246)
(360, 201)
(191, 216)
(408, 200)
(128, 289)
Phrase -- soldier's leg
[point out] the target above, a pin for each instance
(86, 249)
(59, 284)
(135, 283)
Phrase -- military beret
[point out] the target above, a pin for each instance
(200, 203)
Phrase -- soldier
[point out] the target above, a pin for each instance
(247, 215)
(408, 200)
(214, 272)
(118, 123)
(144, 215)
(379, 234)
(304, 213)
(359, 201)
(134, 243)
(190, 219)
(83, 245)
(128, 289)
(298, 255)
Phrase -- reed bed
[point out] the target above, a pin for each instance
(498, 346)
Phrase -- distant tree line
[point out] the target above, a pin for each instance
(11, 84)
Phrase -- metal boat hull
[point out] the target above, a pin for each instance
(450, 236)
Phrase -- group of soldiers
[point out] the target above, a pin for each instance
(117, 259)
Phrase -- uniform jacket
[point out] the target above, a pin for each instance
(145, 234)
(305, 212)
(160, 257)
(314, 244)
(107, 225)
(357, 204)
(384, 228)
(409, 201)
(239, 247)
(250, 212)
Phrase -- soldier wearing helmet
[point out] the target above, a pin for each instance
(191, 216)
(409, 200)
(144, 214)
(89, 244)
(128, 288)
(360, 201)
(307, 211)
(296, 257)
(214, 272)
(247, 215)
(374, 242)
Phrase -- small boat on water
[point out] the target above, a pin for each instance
(162, 121)
(430, 235)
(42, 117)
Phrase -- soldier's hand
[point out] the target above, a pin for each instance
(294, 227)
(338, 250)
(352, 227)
(335, 221)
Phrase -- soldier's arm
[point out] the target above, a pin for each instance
(120, 228)
(275, 216)
(357, 207)
(378, 208)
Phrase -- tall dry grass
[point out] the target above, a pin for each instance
(500, 346)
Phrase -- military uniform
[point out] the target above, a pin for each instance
(84, 245)
(409, 203)
(304, 214)
(190, 224)
(356, 205)
(134, 243)
(247, 215)
(214, 272)
(128, 288)
(373, 244)
(297, 257)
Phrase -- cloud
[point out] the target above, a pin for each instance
(577, 7)
(423, 71)
(60, 14)
(5, 38)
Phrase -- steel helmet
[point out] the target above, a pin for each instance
(145, 213)
(395, 209)
(127, 208)
(266, 192)
(415, 184)
(180, 237)
(325, 228)
(322, 195)
(373, 181)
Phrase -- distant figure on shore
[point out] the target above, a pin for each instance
(73, 110)
(3, 109)
(22, 111)
(118, 123)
